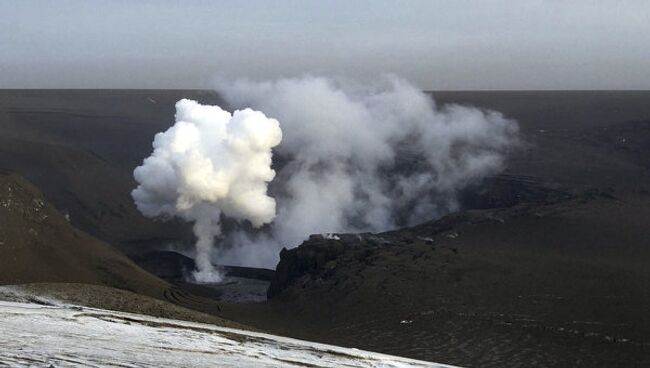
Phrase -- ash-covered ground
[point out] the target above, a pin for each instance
(545, 264)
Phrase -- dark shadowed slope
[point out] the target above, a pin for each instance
(547, 284)
(37, 244)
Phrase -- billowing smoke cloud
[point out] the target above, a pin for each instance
(209, 164)
(362, 158)
(353, 158)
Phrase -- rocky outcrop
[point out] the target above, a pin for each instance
(317, 257)
(307, 258)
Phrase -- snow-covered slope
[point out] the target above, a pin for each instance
(57, 335)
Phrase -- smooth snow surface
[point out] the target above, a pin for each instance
(70, 336)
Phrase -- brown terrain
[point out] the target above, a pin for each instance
(545, 266)
(37, 244)
(43, 253)
(563, 284)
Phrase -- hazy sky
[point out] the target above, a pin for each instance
(450, 44)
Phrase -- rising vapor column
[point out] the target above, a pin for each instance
(210, 163)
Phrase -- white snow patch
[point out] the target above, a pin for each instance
(72, 336)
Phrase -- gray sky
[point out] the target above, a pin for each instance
(481, 44)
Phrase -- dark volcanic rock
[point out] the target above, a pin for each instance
(560, 282)
(310, 257)
(318, 255)
(318, 258)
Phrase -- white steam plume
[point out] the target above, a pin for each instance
(209, 164)
(362, 158)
